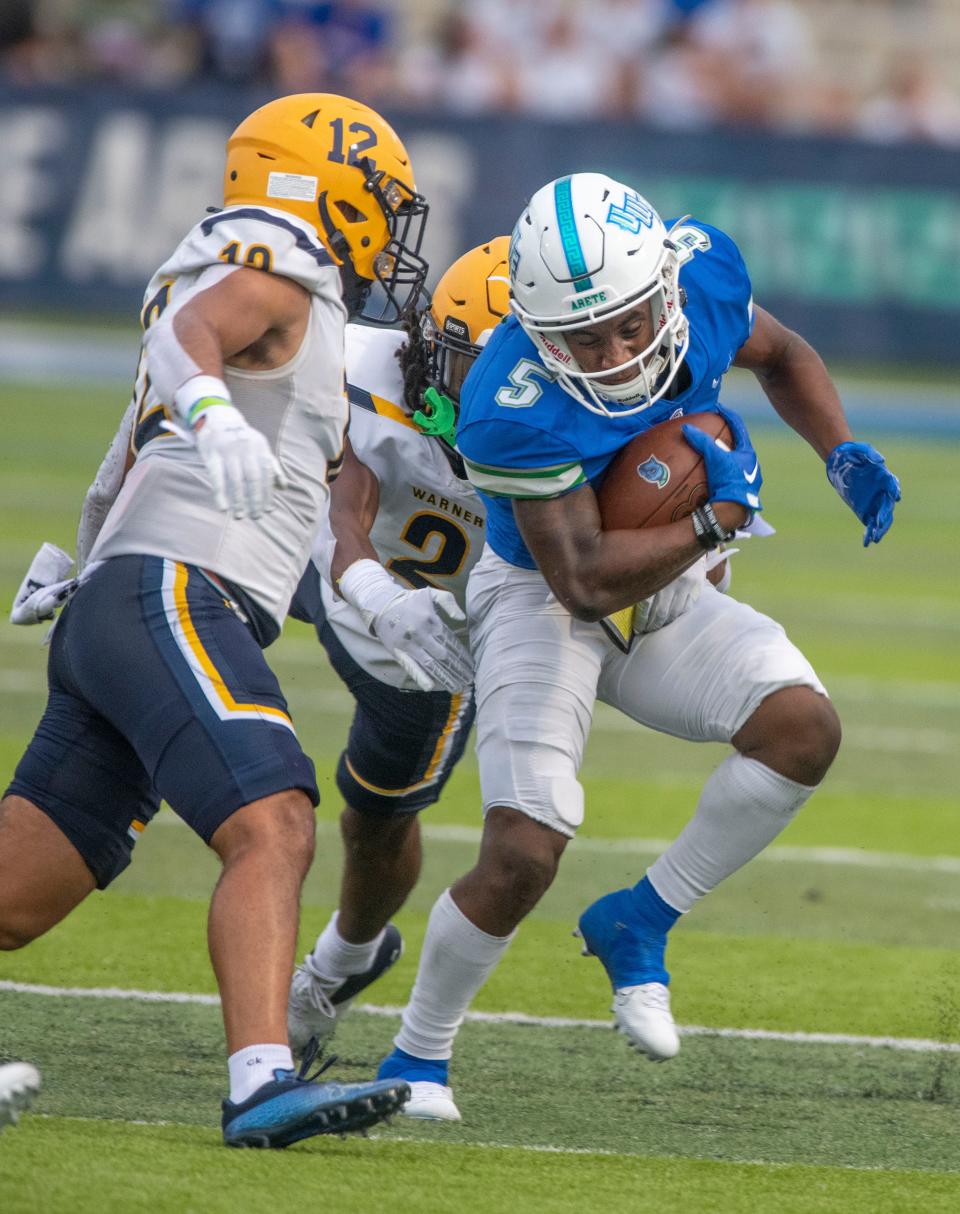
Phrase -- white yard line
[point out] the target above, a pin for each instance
(390, 1137)
(909, 1044)
(852, 857)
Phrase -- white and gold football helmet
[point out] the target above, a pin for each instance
(469, 301)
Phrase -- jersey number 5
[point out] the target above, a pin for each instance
(446, 561)
(525, 390)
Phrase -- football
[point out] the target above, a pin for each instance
(657, 477)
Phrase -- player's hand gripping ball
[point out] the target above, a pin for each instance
(658, 478)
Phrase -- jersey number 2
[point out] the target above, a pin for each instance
(448, 558)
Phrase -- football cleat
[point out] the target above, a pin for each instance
(316, 1004)
(292, 1106)
(19, 1083)
(631, 951)
(642, 1014)
(431, 1102)
(431, 1098)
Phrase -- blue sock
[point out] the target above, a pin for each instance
(627, 930)
(652, 908)
(401, 1065)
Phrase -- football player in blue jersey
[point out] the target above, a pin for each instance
(621, 322)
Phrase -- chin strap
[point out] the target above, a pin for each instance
(441, 420)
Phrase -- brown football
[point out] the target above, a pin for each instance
(657, 477)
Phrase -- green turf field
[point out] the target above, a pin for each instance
(847, 928)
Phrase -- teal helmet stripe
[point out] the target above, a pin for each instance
(567, 224)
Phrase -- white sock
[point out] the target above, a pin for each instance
(253, 1066)
(743, 806)
(456, 960)
(334, 958)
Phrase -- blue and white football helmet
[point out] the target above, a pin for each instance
(586, 249)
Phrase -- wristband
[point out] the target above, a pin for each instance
(367, 586)
(707, 530)
(198, 394)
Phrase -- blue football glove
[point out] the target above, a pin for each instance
(733, 476)
(858, 473)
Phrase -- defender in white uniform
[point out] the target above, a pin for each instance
(404, 531)
(158, 686)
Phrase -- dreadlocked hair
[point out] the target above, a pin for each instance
(414, 359)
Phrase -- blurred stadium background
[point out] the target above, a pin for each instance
(824, 136)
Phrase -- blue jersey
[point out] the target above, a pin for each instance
(523, 436)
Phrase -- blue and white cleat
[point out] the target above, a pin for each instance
(291, 1107)
(631, 950)
(19, 1083)
(431, 1097)
(316, 1006)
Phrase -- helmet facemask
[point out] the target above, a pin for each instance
(448, 359)
(656, 365)
(451, 353)
(585, 251)
(399, 270)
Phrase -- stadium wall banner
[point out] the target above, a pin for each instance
(855, 246)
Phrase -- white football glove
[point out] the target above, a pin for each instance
(672, 601)
(414, 626)
(45, 588)
(243, 469)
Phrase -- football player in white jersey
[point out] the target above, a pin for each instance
(404, 530)
(157, 684)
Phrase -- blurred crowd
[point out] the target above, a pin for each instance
(674, 64)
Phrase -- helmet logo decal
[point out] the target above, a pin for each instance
(588, 301)
(555, 350)
(567, 226)
(654, 471)
(633, 213)
(292, 185)
(456, 328)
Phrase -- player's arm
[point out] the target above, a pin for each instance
(799, 387)
(417, 627)
(354, 501)
(234, 316)
(593, 572)
(250, 319)
(796, 382)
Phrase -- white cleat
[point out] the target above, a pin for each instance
(310, 1012)
(430, 1102)
(316, 1005)
(19, 1083)
(642, 1014)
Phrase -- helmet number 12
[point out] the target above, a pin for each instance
(525, 391)
(356, 149)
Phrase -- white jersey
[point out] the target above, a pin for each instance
(429, 528)
(166, 505)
